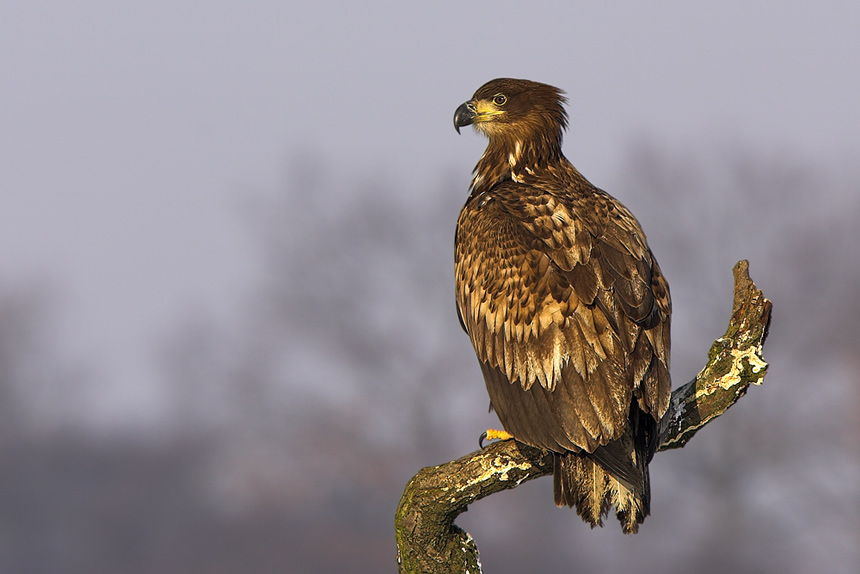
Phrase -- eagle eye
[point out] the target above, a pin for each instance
(500, 99)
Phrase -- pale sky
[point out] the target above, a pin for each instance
(133, 134)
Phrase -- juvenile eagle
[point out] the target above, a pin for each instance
(564, 303)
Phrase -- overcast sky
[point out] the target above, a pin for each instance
(133, 134)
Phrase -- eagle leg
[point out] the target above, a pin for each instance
(493, 434)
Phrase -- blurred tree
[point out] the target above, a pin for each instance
(351, 363)
(299, 423)
(34, 381)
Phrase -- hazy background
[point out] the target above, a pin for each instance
(227, 327)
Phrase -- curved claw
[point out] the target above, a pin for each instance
(492, 434)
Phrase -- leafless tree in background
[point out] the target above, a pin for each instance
(298, 426)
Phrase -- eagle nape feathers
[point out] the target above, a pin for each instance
(564, 304)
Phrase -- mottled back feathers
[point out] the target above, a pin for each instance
(564, 303)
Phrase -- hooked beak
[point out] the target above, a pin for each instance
(465, 115)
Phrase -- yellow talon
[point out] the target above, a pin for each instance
(493, 434)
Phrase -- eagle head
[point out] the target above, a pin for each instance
(520, 109)
(523, 121)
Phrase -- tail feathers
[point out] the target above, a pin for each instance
(578, 481)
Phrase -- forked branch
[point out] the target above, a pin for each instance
(428, 541)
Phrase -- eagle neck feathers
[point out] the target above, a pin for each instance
(519, 157)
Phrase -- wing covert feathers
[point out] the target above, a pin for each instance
(568, 312)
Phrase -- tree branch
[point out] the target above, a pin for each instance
(428, 541)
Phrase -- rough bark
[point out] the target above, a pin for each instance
(428, 541)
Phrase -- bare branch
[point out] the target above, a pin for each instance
(428, 541)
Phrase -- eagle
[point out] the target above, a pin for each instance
(564, 303)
